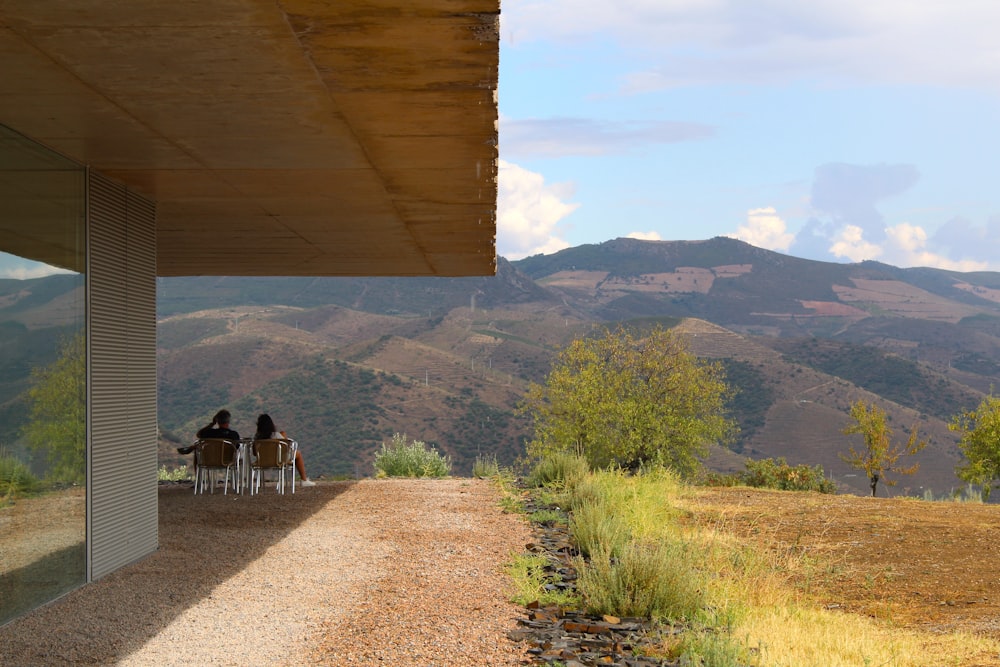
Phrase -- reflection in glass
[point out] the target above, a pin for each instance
(42, 375)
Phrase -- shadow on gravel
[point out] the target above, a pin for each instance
(204, 540)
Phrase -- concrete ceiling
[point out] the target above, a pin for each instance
(277, 137)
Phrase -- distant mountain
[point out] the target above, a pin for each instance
(392, 296)
(342, 363)
(749, 289)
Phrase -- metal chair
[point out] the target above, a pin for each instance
(272, 454)
(213, 455)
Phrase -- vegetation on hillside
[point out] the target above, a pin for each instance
(753, 395)
(899, 380)
(332, 409)
(649, 548)
(181, 333)
(512, 326)
(630, 400)
(775, 474)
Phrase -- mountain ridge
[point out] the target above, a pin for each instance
(345, 362)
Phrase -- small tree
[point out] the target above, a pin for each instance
(58, 425)
(880, 455)
(622, 399)
(980, 444)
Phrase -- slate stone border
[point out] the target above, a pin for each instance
(574, 638)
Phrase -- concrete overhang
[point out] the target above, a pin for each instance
(277, 137)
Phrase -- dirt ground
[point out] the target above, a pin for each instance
(402, 572)
(927, 566)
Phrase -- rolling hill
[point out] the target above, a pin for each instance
(342, 363)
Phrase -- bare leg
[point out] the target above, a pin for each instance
(300, 466)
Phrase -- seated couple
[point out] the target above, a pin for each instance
(219, 428)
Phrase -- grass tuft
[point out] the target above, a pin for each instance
(410, 459)
(532, 579)
(15, 479)
(651, 580)
(176, 475)
(560, 470)
(485, 467)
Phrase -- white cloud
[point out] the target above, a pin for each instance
(764, 229)
(695, 42)
(850, 243)
(19, 268)
(529, 212)
(561, 137)
(644, 236)
(907, 246)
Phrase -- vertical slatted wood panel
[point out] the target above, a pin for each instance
(122, 372)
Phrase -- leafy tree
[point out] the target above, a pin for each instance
(980, 444)
(623, 399)
(57, 425)
(880, 455)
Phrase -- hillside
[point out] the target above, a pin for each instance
(342, 363)
(446, 360)
(347, 376)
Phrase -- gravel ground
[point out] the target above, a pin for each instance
(373, 572)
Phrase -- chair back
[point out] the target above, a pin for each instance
(270, 453)
(216, 453)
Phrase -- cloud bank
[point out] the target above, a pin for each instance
(529, 211)
(764, 229)
(564, 137)
(847, 224)
(733, 41)
(19, 268)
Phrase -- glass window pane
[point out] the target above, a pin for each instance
(42, 375)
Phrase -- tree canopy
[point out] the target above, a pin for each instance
(980, 444)
(880, 455)
(58, 424)
(627, 399)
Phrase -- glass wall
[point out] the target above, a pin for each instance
(43, 375)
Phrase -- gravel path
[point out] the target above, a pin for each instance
(373, 572)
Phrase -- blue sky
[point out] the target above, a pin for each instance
(834, 130)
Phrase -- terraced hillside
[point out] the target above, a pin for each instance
(446, 360)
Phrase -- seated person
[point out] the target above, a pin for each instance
(266, 430)
(218, 428)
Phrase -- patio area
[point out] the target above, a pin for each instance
(402, 572)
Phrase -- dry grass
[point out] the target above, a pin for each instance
(778, 563)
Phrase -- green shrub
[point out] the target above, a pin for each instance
(558, 469)
(712, 478)
(410, 459)
(176, 475)
(533, 578)
(15, 478)
(777, 474)
(587, 490)
(597, 531)
(652, 580)
(485, 467)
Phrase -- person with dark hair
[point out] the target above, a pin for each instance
(266, 430)
(219, 428)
